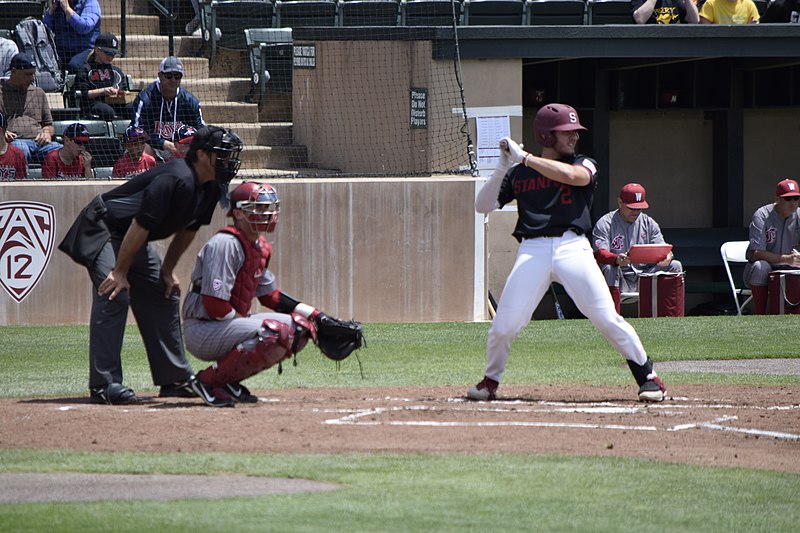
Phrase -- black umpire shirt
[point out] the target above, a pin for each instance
(163, 200)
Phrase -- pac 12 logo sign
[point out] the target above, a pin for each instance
(27, 231)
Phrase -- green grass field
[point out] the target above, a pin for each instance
(421, 493)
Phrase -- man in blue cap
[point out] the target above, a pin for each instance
(30, 123)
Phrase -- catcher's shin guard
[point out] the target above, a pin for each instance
(272, 346)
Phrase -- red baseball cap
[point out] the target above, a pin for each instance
(787, 188)
(633, 196)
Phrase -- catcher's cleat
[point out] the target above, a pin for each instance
(240, 393)
(653, 390)
(485, 390)
(112, 394)
(179, 389)
(213, 396)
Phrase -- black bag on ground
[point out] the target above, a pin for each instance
(36, 40)
(88, 234)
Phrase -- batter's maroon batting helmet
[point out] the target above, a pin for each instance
(259, 202)
(554, 117)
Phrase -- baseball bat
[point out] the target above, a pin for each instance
(559, 312)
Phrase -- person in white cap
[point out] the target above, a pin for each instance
(164, 106)
(617, 231)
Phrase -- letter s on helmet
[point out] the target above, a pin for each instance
(260, 204)
(554, 117)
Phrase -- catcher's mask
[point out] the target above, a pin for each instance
(554, 117)
(260, 204)
(223, 142)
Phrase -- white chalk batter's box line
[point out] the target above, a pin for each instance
(354, 417)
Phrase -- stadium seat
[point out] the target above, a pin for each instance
(305, 13)
(761, 5)
(609, 12)
(97, 128)
(232, 17)
(118, 127)
(105, 151)
(555, 12)
(430, 12)
(270, 59)
(13, 11)
(368, 12)
(734, 252)
(494, 12)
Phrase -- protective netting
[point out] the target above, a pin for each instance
(313, 87)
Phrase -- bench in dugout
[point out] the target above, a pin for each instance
(270, 60)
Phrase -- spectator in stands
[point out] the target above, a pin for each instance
(665, 12)
(75, 25)
(12, 160)
(164, 106)
(729, 12)
(8, 49)
(774, 239)
(72, 161)
(782, 11)
(99, 81)
(134, 161)
(617, 231)
(183, 138)
(30, 123)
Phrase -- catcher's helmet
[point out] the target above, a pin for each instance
(554, 117)
(223, 142)
(260, 204)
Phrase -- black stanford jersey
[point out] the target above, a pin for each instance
(546, 207)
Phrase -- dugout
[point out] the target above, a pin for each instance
(705, 116)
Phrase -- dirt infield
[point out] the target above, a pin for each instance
(753, 427)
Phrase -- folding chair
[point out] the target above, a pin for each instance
(305, 13)
(270, 59)
(734, 252)
(429, 13)
(494, 12)
(609, 12)
(368, 12)
(555, 12)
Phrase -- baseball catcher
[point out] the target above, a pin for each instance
(230, 271)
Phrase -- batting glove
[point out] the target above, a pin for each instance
(514, 151)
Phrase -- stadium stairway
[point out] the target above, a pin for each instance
(223, 89)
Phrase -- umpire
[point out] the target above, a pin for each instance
(171, 200)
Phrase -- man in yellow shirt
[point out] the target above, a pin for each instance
(729, 12)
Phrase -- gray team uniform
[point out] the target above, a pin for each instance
(771, 233)
(214, 274)
(617, 236)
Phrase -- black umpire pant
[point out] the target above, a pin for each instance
(158, 319)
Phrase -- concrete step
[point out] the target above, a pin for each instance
(148, 46)
(230, 89)
(114, 7)
(142, 68)
(265, 134)
(273, 157)
(135, 24)
(217, 112)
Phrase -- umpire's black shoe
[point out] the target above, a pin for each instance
(112, 394)
(213, 396)
(179, 389)
(240, 393)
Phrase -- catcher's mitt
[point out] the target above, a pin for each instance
(336, 338)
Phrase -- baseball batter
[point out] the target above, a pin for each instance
(230, 271)
(774, 239)
(617, 231)
(554, 194)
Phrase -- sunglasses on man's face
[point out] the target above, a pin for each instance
(172, 75)
(790, 198)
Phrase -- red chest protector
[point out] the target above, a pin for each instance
(256, 257)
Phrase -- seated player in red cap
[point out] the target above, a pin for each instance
(134, 161)
(774, 241)
(72, 161)
(182, 138)
(617, 231)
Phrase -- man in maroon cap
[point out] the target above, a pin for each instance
(774, 239)
(617, 231)
(72, 161)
